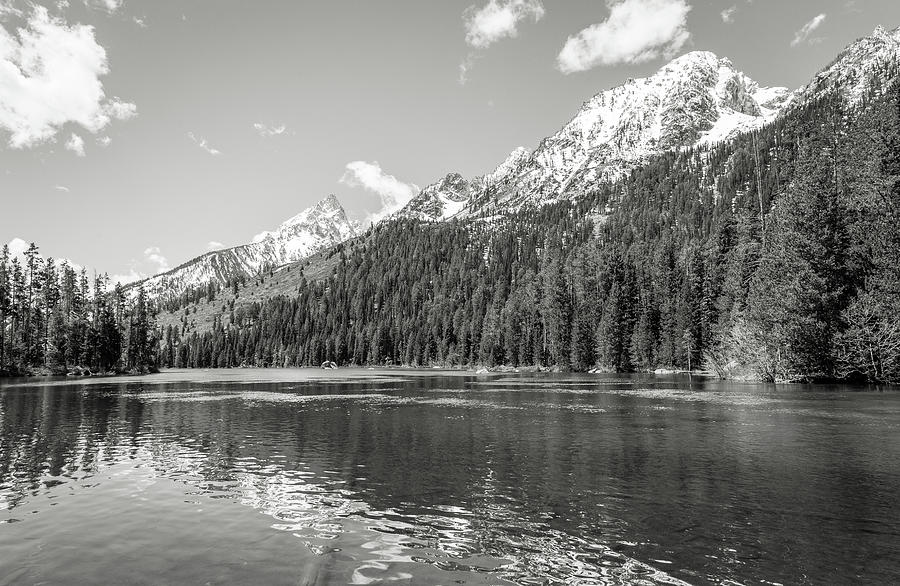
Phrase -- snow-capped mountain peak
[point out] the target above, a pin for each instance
(852, 72)
(696, 98)
(314, 229)
(509, 167)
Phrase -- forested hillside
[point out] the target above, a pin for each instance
(773, 256)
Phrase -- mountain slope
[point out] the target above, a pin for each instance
(312, 230)
(773, 259)
(856, 68)
(696, 99)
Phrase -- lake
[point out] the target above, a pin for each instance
(421, 477)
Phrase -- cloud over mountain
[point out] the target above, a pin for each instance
(636, 31)
(394, 193)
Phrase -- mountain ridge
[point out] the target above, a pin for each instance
(696, 99)
(314, 229)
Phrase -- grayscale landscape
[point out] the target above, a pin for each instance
(411, 292)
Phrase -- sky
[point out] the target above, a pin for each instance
(137, 134)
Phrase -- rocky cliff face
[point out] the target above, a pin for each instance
(312, 230)
(696, 99)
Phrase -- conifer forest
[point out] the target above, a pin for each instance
(772, 257)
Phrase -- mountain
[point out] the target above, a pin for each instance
(696, 99)
(769, 255)
(312, 230)
(856, 68)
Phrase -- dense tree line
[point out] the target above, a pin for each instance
(774, 256)
(52, 320)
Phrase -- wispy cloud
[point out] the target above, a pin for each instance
(104, 141)
(493, 22)
(107, 5)
(803, 35)
(130, 277)
(61, 188)
(152, 263)
(394, 193)
(266, 130)
(498, 19)
(154, 256)
(75, 144)
(203, 144)
(50, 76)
(636, 31)
(465, 67)
(18, 246)
(212, 245)
(728, 14)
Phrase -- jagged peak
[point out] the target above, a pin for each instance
(328, 205)
(329, 200)
(692, 58)
(882, 33)
(511, 160)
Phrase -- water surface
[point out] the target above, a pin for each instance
(411, 477)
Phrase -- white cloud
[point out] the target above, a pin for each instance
(153, 260)
(61, 188)
(265, 130)
(17, 248)
(807, 29)
(75, 144)
(394, 193)
(153, 255)
(130, 277)
(728, 14)
(498, 19)
(104, 141)
(464, 68)
(107, 5)
(7, 8)
(636, 31)
(495, 21)
(50, 76)
(201, 142)
(121, 110)
(213, 245)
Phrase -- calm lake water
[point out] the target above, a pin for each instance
(411, 477)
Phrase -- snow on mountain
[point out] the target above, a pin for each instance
(452, 194)
(854, 69)
(697, 98)
(311, 231)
